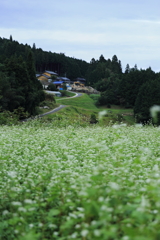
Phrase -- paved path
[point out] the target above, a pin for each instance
(61, 106)
(53, 111)
(76, 95)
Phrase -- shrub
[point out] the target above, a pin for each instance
(8, 118)
(49, 97)
(64, 93)
(93, 119)
(52, 87)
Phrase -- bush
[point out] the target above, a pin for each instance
(48, 104)
(93, 119)
(49, 97)
(20, 113)
(8, 118)
(64, 93)
(64, 86)
(52, 87)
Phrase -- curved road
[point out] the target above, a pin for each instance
(61, 106)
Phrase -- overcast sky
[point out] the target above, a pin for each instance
(85, 29)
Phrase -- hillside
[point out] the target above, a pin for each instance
(134, 88)
(81, 109)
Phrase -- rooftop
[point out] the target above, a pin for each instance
(50, 72)
(63, 78)
(58, 82)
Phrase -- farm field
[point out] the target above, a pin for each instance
(80, 183)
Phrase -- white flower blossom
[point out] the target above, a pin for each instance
(102, 114)
(16, 203)
(154, 110)
(84, 233)
(12, 174)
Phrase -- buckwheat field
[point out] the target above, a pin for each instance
(80, 183)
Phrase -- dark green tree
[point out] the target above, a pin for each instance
(102, 59)
(116, 65)
(130, 84)
(10, 98)
(52, 87)
(127, 69)
(148, 96)
(11, 38)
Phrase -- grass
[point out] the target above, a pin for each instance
(65, 182)
(69, 94)
(50, 105)
(81, 108)
(84, 102)
(72, 114)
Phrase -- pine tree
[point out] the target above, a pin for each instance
(11, 38)
(127, 69)
(34, 47)
(148, 96)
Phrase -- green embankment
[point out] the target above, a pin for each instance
(83, 101)
(81, 108)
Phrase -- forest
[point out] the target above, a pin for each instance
(132, 88)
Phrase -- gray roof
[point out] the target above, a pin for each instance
(50, 72)
(63, 78)
(80, 79)
(38, 75)
(46, 76)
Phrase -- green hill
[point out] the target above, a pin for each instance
(81, 108)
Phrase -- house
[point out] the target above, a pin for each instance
(58, 84)
(80, 80)
(43, 77)
(50, 74)
(46, 78)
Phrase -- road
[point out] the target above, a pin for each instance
(61, 106)
(76, 95)
(52, 111)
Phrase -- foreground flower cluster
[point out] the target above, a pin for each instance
(80, 183)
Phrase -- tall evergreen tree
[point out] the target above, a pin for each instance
(148, 96)
(102, 59)
(127, 69)
(116, 65)
(11, 38)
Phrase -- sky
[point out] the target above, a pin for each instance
(86, 29)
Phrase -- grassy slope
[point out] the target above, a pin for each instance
(81, 108)
(69, 94)
(83, 102)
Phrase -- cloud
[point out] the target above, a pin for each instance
(86, 29)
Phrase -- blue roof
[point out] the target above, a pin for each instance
(60, 82)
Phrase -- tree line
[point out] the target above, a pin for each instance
(134, 88)
(19, 87)
(59, 63)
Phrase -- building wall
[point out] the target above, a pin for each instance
(43, 78)
(48, 74)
